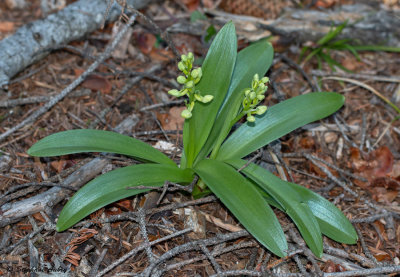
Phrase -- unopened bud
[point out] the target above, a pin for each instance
(256, 78)
(184, 58)
(252, 95)
(198, 97)
(265, 80)
(260, 97)
(247, 91)
(189, 84)
(181, 80)
(190, 56)
(181, 66)
(174, 92)
(195, 73)
(251, 118)
(207, 98)
(186, 114)
(261, 109)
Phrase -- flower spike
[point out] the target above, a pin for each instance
(189, 80)
(253, 96)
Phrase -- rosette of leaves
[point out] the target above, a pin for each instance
(215, 154)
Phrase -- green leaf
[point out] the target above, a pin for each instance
(332, 63)
(332, 222)
(111, 187)
(196, 15)
(332, 34)
(78, 141)
(217, 71)
(377, 48)
(255, 59)
(278, 121)
(245, 202)
(288, 199)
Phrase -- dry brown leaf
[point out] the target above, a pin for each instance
(125, 204)
(377, 164)
(145, 42)
(95, 82)
(39, 217)
(379, 254)
(325, 3)
(173, 120)
(191, 5)
(7, 26)
(331, 267)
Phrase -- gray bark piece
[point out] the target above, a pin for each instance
(31, 42)
(365, 23)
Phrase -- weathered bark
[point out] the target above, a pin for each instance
(31, 42)
(366, 25)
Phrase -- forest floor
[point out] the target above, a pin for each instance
(351, 158)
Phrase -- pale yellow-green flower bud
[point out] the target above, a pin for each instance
(261, 87)
(184, 58)
(198, 97)
(265, 80)
(186, 114)
(174, 92)
(261, 109)
(207, 98)
(190, 56)
(252, 95)
(189, 84)
(181, 66)
(255, 78)
(183, 92)
(195, 73)
(247, 91)
(260, 97)
(181, 80)
(250, 118)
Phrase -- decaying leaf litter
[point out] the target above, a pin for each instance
(338, 155)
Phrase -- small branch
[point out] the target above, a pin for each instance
(140, 248)
(365, 272)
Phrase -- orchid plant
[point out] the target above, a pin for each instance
(227, 87)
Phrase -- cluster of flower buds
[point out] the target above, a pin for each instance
(253, 96)
(189, 80)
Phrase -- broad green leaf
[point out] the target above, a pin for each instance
(112, 186)
(78, 141)
(278, 121)
(245, 202)
(333, 223)
(217, 71)
(288, 199)
(257, 58)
